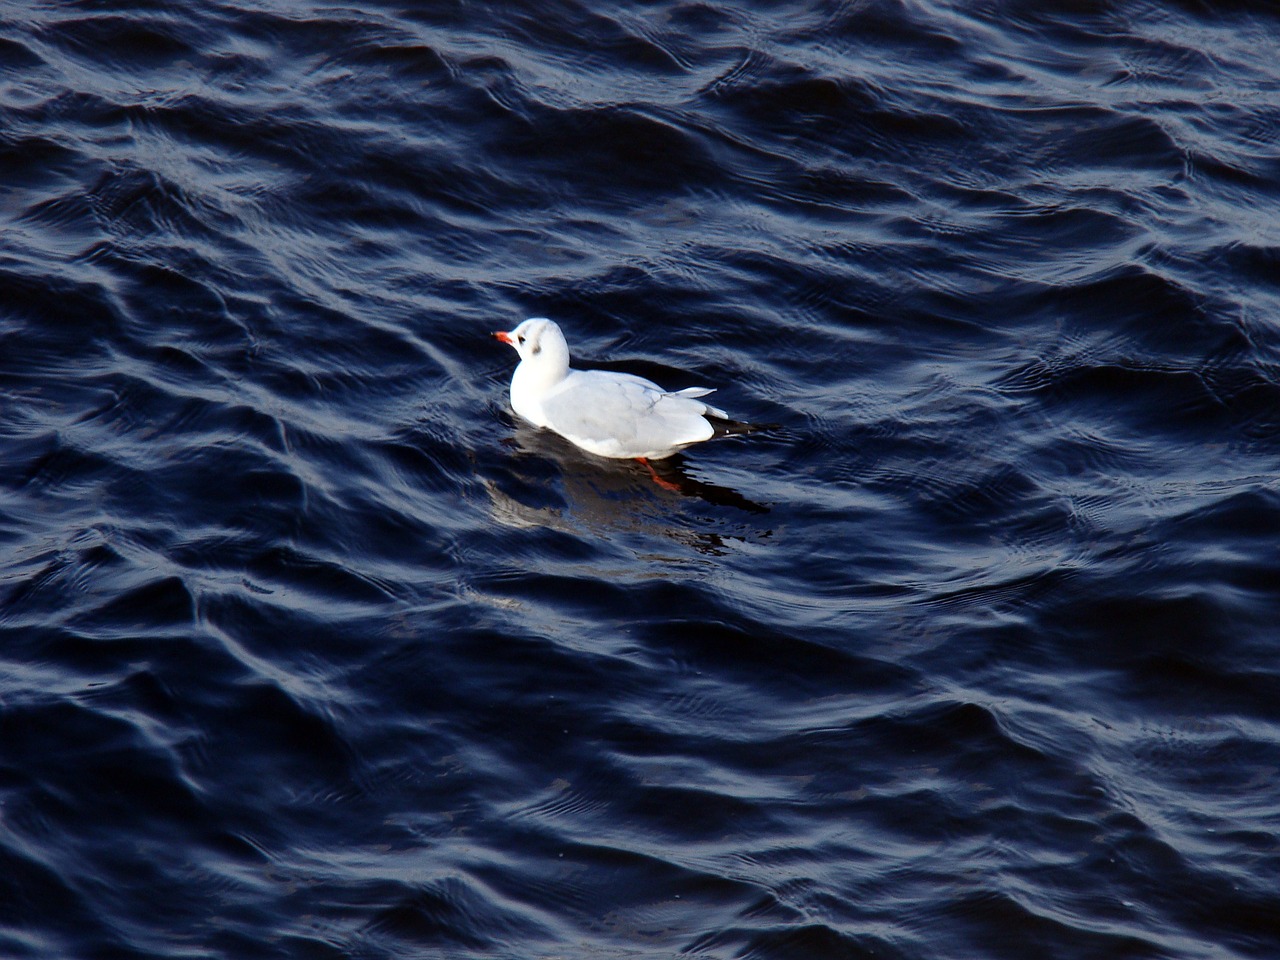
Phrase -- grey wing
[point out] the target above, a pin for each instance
(621, 415)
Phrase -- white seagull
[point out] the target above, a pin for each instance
(609, 414)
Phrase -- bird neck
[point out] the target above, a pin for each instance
(539, 374)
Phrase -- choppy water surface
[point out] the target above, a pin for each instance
(310, 650)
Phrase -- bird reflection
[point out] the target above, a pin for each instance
(550, 483)
(671, 474)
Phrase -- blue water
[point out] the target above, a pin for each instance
(309, 648)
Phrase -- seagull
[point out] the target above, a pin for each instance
(616, 415)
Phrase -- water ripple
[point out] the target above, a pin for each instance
(312, 649)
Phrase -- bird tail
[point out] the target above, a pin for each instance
(724, 427)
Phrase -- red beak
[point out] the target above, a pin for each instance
(504, 337)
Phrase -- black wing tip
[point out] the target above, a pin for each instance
(721, 427)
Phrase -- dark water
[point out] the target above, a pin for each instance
(308, 649)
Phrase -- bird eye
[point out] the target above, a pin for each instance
(519, 339)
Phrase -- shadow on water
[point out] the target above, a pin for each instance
(549, 483)
(675, 477)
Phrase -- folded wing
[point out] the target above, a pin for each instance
(619, 415)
